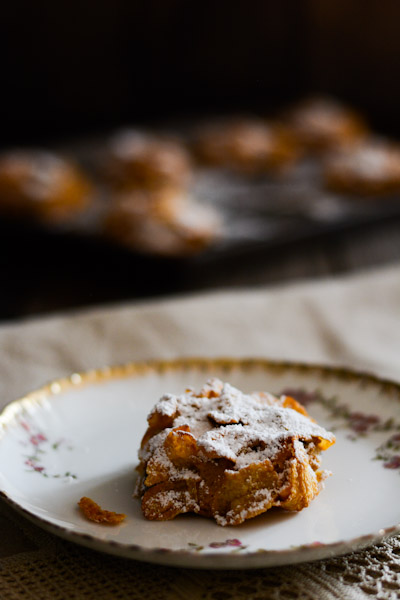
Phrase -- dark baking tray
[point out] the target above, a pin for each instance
(55, 267)
(256, 213)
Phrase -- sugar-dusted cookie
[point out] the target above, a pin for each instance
(320, 124)
(245, 144)
(42, 185)
(367, 169)
(165, 222)
(228, 455)
(140, 160)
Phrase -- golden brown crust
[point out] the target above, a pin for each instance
(247, 145)
(95, 513)
(137, 160)
(41, 185)
(164, 221)
(222, 461)
(321, 124)
(366, 169)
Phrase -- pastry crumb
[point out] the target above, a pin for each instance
(94, 512)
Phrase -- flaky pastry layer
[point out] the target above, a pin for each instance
(228, 455)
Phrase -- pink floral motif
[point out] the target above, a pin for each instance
(36, 439)
(40, 445)
(393, 462)
(362, 423)
(232, 543)
(235, 542)
(316, 544)
(359, 423)
(301, 395)
(30, 463)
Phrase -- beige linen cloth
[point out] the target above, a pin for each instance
(353, 321)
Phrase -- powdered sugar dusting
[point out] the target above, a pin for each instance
(167, 405)
(372, 160)
(262, 501)
(229, 455)
(226, 423)
(181, 501)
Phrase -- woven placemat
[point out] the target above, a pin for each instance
(37, 565)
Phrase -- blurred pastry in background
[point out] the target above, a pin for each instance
(166, 222)
(320, 124)
(138, 160)
(42, 185)
(247, 145)
(369, 168)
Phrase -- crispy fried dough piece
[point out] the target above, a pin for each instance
(165, 222)
(94, 512)
(320, 124)
(227, 455)
(245, 144)
(138, 160)
(370, 168)
(42, 185)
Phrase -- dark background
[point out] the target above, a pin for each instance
(70, 69)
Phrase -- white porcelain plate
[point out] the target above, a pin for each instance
(79, 437)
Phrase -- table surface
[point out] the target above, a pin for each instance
(352, 321)
(47, 273)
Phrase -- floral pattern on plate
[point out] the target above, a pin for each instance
(359, 423)
(36, 447)
(91, 425)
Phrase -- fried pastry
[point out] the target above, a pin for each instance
(94, 512)
(41, 185)
(139, 160)
(368, 169)
(320, 124)
(164, 222)
(247, 145)
(224, 454)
